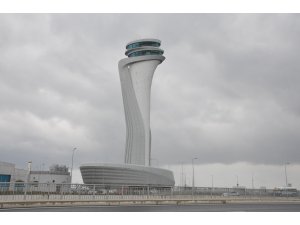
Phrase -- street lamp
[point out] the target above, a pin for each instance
(181, 176)
(212, 184)
(72, 163)
(28, 171)
(286, 179)
(193, 176)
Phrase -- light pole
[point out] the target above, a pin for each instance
(286, 179)
(28, 171)
(193, 176)
(181, 176)
(72, 163)
(212, 185)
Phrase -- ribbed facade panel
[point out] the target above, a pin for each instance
(126, 175)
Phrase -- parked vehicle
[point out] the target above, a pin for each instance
(286, 191)
(233, 193)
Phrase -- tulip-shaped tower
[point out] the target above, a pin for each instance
(136, 73)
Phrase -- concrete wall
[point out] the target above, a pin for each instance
(10, 169)
(49, 178)
(20, 175)
(7, 168)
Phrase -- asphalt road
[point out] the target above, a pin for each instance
(167, 208)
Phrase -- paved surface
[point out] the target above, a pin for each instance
(287, 207)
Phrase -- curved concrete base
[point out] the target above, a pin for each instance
(125, 174)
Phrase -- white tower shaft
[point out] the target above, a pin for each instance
(136, 75)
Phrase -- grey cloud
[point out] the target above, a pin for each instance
(227, 92)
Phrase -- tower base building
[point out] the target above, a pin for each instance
(126, 174)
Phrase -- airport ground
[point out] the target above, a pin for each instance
(85, 198)
(233, 207)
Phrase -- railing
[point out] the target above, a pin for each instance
(19, 191)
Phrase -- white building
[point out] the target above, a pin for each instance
(9, 173)
(40, 181)
(56, 174)
(51, 180)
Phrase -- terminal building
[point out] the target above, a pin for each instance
(39, 179)
(136, 73)
(9, 173)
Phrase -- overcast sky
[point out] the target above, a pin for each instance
(227, 93)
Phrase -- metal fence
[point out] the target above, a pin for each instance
(20, 191)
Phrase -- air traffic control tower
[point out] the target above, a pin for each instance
(136, 73)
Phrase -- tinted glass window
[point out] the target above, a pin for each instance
(146, 52)
(142, 44)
